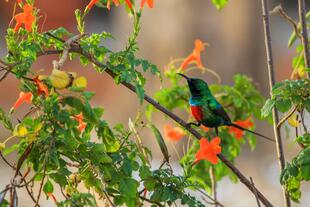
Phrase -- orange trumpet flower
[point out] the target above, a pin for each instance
(195, 55)
(238, 132)
(27, 18)
(150, 3)
(23, 98)
(42, 88)
(91, 4)
(173, 133)
(79, 118)
(209, 150)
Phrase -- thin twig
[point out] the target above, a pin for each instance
(214, 202)
(275, 114)
(287, 116)
(257, 200)
(213, 184)
(304, 32)
(67, 45)
(26, 183)
(290, 20)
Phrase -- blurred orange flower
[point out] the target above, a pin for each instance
(116, 2)
(79, 118)
(150, 3)
(173, 133)
(27, 18)
(42, 88)
(51, 195)
(194, 56)
(129, 4)
(204, 128)
(23, 98)
(209, 150)
(91, 4)
(238, 132)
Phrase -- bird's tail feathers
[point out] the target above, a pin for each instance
(256, 133)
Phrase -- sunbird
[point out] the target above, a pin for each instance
(206, 109)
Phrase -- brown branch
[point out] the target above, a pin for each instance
(257, 200)
(304, 32)
(287, 116)
(214, 202)
(290, 20)
(275, 114)
(65, 52)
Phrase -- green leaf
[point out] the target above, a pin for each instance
(283, 105)
(48, 187)
(5, 120)
(160, 141)
(305, 172)
(128, 187)
(219, 4)
(267, 108)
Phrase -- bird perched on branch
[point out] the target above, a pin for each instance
(207, 110)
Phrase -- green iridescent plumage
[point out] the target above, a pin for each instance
(206, 109)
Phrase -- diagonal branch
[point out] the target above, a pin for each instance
(275, 115)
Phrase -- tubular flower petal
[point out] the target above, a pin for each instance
(91, 4)
(42, 88)
(129, 4)
(238, 132)
(173, 133)
(194, 56)
(150, 3)
(116, 2)
(204, 128)
(27, 18)
(209, 150)
(79, 118)
(52, 196)
(23, 98)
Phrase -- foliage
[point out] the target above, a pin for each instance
(64, 143)
(219, 4)
(293, 97)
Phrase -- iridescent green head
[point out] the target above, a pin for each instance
(197, 86)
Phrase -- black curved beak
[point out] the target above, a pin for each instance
(184, 76)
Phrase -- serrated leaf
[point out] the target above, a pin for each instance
(128, 187)
(267, 108)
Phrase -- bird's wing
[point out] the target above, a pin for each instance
(217, 108)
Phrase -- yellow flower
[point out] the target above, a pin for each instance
(79, 83)
(2, 146)
(20, 130)
(61, 79)
(293, 121)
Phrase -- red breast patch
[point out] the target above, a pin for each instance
(197, 113)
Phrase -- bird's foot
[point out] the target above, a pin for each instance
(193, 123)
